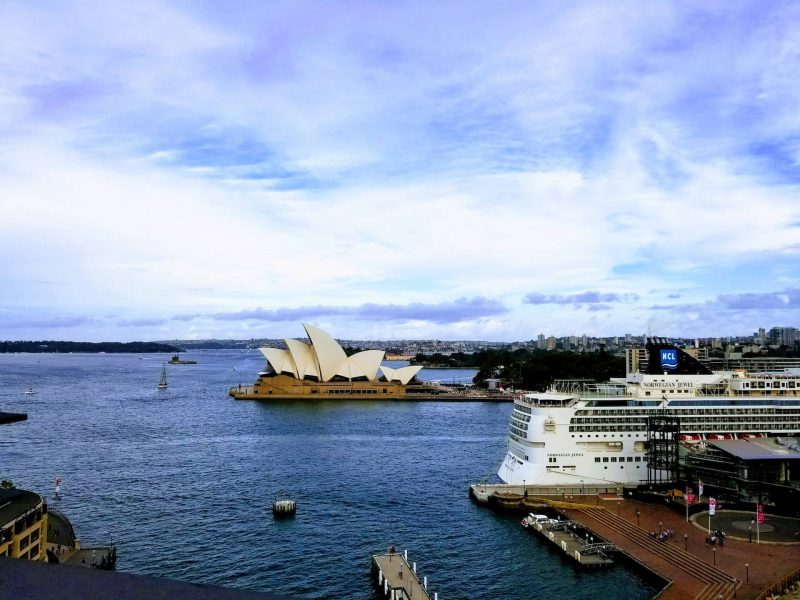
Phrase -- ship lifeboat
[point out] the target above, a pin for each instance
(719, 436)
(746, 436)
(690, 438)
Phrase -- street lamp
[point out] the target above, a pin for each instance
(637, 517)
(686, 541)
(747, 572)
(714, 550)
(524, 489)
(583, 492)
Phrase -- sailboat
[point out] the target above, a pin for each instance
(162, 384)
(30, 391)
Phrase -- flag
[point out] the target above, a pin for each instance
(699, 488)
(712, 507)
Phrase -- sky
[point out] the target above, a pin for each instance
(398, 170)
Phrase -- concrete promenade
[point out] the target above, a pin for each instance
(737, 569)
(696, 569)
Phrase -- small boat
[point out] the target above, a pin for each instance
(30, 391)
(162, 384)
(284, 508)
(177, 360)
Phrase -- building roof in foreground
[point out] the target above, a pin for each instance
(41, 581)
(15, 503)
(12, 417)
(324, 359)
(760, 448)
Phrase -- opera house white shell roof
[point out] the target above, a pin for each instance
(324, 359)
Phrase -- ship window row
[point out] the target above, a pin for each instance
(787, 418)
(520, 408)
(692, 411)
(524, 418)
(765, 385)
(356, 391)
(610, 428)
(598, 459)
(517, 431)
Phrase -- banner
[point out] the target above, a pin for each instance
(689, 495)
(699, 488)
(760, 512)
(712, 507)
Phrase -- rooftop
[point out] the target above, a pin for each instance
(759, 448)
(14, 503)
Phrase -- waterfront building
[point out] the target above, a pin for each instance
(23, 525)
(320, 369)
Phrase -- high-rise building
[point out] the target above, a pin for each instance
(783, 336)
(541, 342)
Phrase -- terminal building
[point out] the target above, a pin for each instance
(756, 470)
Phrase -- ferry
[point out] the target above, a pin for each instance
(587, 433)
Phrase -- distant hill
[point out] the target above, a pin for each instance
(110, 347)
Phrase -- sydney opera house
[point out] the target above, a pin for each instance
(321, 370)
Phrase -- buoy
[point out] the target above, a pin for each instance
(284, 508)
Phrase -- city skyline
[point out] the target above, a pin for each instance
(410, 171)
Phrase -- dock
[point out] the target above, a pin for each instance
(682, 564)
(397, 579)
(576, 542)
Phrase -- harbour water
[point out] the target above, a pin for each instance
(184, 480)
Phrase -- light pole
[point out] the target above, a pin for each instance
(637, 517)
(524, 489)
(686, 541)
(583, 492)
(714, 550)
(747, 572)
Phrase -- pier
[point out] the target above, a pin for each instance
(397, 579)
(688, 566)
(576, 542)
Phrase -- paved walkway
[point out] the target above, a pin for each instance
(696, 569)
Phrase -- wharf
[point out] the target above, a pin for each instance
(398, 580)
(566, 535)
(690, 567)
(96, 557)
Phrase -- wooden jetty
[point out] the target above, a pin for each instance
(398, 580)
(576, 542)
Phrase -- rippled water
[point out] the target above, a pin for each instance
(183, 479)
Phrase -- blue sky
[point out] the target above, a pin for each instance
(398, 169)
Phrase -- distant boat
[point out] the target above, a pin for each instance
(162, 384)
(30, 391)
(176, 360)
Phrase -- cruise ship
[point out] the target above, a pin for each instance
(578, 433)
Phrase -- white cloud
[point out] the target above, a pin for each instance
(161, 159)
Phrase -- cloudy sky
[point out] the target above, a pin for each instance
(457, 170)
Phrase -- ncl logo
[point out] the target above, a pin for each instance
(669, 359)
